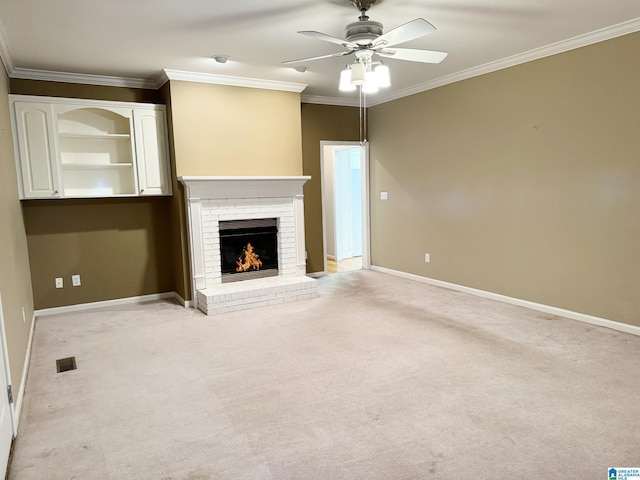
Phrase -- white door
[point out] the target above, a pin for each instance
(6, 412)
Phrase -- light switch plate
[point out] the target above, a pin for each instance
(59, 282)
(75, 280)
(384, 195)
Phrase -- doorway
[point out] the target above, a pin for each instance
(345, 205)
(7, 427)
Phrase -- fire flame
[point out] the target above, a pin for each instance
(249, 260)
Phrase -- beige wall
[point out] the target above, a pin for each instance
(330, 123)
(229, 131)
(15, 281)
(523, 182)
(120, 247)
(222, 130)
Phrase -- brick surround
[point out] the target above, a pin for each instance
(214, 199)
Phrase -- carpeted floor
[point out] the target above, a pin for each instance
(378, 378)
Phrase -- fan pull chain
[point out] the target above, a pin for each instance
(363, 116)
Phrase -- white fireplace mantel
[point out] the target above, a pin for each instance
(243, 187)
(213, 198)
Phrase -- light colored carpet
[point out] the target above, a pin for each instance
(378, 378)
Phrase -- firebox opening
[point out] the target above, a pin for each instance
(248, 249)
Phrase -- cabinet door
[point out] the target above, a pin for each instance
(151, 152)
(37, 150)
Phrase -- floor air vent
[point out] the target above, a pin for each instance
(66, 364)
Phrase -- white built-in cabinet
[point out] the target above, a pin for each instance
(69, 148)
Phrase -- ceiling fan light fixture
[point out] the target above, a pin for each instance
(371, 86)
(383, 77)
(358, 74)
(345, 81)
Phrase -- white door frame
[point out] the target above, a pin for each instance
(366, 223)
(7, 375)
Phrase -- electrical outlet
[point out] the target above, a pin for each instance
(59, 282)
(75, 280)
(384, 195)
(427, 258)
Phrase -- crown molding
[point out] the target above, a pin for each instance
(339, 101)
(82, 78)
(596, 36)
(229, 81)
(4, 52)
(624, 28)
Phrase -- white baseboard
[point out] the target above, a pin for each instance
(105, 303)
(17, 405)
(602, 322)
(182, 301)
(316, 274)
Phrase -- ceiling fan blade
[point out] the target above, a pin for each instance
(328, 38)
(409, 31)
(309, 59)
(413, 55)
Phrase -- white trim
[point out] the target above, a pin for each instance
(25, 372)
(581, 317)
(105, 303)
(89, 103)
(81, 78)
(607, 33)
(339, 101)
(231, 81)
(217, 187)
(183, 302)
(4, 52)
(366, 214)
(7, 371)
(596, 36)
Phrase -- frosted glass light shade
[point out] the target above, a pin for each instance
(372, 85)
(358, 74)
(345, 81)
(382, 76)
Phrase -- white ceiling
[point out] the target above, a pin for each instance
(138, 39)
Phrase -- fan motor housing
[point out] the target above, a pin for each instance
(363, 32)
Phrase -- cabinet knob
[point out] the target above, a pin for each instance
(55, 192)
(141, 190)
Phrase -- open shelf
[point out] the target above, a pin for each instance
(96, 136)
(96, 166)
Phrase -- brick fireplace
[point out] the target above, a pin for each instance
(212, 200)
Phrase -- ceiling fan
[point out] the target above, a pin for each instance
(364, 38)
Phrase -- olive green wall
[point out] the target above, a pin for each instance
(222, 130)
(180, 250)
(523, 182)
(76, 90)
(330, 123)
(120, 247)
(15, 281)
